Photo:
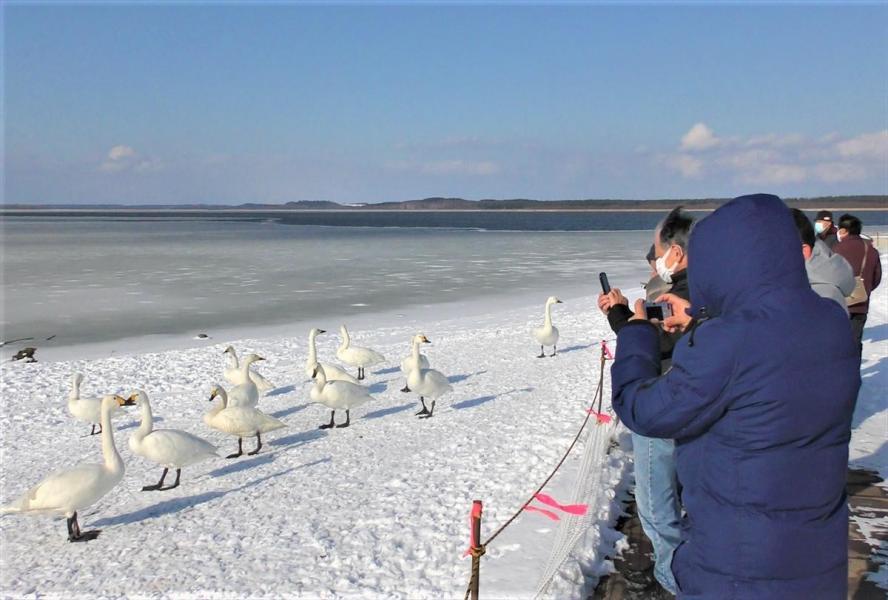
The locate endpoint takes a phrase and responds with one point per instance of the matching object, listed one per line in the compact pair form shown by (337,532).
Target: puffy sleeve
(689,398)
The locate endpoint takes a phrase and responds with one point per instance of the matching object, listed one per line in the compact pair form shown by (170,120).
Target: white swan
(428,383)
(337,395)
(239,421)
(88,410)
(169,448)
(355,355)
(333,372)
(245,393)
(69,490)
(408,363)
(234,374)
(547,335)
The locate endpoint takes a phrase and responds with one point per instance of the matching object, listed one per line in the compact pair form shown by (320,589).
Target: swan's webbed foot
(405,389)
(240,449)
(258,445)
(430,413)
(347,420)
(331,424)
(74,533)
(424,410)
(542,353)
(159,484)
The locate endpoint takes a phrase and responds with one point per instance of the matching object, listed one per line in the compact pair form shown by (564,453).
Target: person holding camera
(759,408)
(656,484)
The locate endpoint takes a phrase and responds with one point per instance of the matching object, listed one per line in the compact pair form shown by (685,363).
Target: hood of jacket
(824,267)
(741,252)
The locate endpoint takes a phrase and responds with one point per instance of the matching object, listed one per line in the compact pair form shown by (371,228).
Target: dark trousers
(857,323)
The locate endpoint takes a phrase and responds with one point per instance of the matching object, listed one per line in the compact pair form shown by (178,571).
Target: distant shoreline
(42,210)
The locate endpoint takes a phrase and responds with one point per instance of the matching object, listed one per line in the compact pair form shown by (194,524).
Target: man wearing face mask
(656,484)
(825,229)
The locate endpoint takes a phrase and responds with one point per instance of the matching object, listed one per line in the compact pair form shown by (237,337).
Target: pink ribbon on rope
(606,350)
(600,417)
(543,511)
(574,509)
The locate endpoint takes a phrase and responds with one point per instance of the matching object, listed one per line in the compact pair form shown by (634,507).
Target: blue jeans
(659,507)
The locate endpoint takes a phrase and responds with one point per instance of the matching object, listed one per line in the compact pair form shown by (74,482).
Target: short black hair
(651,256)
(851,224)
(675,228)
(806,230)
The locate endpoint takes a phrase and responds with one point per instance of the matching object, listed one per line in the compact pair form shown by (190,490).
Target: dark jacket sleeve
(688,399)
(618,316)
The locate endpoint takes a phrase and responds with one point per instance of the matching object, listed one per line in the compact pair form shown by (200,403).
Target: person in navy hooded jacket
(760,409)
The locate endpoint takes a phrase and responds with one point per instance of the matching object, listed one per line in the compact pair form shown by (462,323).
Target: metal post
(477,549)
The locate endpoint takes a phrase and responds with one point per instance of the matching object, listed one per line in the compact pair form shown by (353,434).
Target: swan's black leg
(424,410)
(159,484)
(93,431)
(74,533)
(347,419)
(175,483)
(360,373)
(331,423)
(431,412)
(542,353)
(258,444)
(240,449)
(554,350)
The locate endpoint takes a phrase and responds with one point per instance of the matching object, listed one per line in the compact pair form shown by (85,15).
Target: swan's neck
(245,368)
(75,390)
(548,322)
(312,350)
(113,462)
(232,358)
(416,352)
(321,380)
(147,424)
(346,339)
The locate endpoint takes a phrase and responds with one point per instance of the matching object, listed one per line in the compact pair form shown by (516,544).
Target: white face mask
(663,271)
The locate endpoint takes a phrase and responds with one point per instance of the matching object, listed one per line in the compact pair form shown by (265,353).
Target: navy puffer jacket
(760,408)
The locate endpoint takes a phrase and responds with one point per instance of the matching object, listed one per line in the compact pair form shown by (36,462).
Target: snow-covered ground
(376,510)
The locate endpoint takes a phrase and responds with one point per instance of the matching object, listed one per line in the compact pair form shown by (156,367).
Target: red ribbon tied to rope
(572,509)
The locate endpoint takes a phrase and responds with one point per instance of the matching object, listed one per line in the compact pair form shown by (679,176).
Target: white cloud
(872,145)
(689,166)
(120,152)
(699,137)
(775,159)
(125,158)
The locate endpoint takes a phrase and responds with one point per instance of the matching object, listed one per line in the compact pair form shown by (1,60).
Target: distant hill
(873,202)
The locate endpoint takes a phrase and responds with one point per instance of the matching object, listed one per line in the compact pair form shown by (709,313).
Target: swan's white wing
(334,373)
(262,384)
(76,487)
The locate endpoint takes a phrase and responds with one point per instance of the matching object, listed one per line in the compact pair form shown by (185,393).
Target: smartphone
(657,310)
(605,286)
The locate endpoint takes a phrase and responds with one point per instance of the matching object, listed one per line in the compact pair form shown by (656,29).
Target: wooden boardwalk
(633,579)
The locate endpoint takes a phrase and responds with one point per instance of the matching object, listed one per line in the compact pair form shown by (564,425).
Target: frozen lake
(86,280)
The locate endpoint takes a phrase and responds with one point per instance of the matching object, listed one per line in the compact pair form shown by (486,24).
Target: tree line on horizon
(444,204)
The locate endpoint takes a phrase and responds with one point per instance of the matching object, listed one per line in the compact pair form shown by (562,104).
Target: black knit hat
(824,215)
(652,254)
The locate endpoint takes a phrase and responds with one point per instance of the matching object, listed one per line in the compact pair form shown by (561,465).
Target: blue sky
(183,103)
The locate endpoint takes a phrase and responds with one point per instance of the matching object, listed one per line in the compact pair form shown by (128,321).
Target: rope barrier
(477,550)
